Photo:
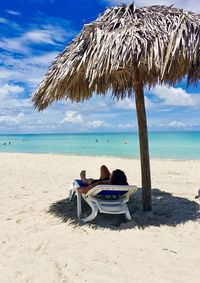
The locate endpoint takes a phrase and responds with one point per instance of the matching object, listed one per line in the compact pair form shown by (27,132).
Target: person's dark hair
(118,177)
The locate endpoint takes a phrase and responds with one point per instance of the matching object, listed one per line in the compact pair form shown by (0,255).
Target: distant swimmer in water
(96,140)
(108,140)
(126,141)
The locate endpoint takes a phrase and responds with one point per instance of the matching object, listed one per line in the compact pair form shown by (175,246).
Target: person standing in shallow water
(117,177)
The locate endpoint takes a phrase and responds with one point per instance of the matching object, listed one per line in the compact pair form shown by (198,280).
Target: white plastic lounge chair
(111,199)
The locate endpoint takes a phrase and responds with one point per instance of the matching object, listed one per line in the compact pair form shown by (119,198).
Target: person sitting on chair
(117,177)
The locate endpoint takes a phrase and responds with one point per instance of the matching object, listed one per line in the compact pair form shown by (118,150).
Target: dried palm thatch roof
(123,46)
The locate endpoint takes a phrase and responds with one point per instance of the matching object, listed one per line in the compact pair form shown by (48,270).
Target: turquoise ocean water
(167,145)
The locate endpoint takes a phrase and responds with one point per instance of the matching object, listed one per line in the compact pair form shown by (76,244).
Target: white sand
(38,246)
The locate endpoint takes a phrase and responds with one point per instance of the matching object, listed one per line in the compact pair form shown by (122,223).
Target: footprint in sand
(21,212)
(61,276)
(38,248)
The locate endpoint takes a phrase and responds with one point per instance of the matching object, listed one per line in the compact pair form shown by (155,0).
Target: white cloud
(3,20)
(31,65)
(30,69)
(10,89)
(14,44)
(17,104)
(176,124)
(13,13)
(52,31)
(96,124)
(12,120)
(7,89)
(47,33)
(149,104)
(10,23)
(190,5)
(126,103)
(11,98)
(72,117)
(126,126)
(39,36)
(117,2)
(39,60)
(51,1)
(175,96)
(6,73)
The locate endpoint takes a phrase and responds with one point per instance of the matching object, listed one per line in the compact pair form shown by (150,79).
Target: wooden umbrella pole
(144,147)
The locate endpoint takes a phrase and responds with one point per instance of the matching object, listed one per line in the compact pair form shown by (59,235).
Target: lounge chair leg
(71,195)
(79,206)
(127,213)
(93,214)
(72,192)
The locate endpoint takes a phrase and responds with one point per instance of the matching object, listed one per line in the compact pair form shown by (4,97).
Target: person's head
(118,177)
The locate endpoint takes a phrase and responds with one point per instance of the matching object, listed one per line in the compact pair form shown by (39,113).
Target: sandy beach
(41,240)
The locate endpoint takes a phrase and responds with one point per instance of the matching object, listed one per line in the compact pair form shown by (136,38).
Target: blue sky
(33,32)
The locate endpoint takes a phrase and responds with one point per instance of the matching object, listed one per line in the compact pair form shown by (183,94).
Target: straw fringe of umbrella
(156,44)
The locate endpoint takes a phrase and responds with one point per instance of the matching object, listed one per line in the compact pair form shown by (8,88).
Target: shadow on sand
(167,210)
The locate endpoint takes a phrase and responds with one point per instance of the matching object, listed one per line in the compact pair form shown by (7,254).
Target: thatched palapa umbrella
(123,50)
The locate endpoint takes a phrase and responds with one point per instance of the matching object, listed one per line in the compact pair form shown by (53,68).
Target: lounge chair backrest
(112,190)
(109,190)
